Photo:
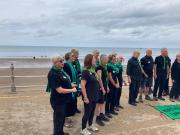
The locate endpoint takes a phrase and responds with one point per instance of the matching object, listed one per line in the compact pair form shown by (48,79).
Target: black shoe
(171,99)
(78,111)
(155,98)
(148,98)
(108,115)
(104,118)
(133,104)
(116,109)
(161,98)
(99,121)
(66,134)
(113,113)
(121,107)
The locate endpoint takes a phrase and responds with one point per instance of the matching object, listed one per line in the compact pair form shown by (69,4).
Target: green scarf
(78,66)
(57,70)
(92,70)
(73,71)
(114,67)
(119,65)
(105,67)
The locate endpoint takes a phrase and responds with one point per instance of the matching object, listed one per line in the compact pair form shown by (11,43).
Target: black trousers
(175,91)
(89,110)
(133,90)
(59,118)
(111,100)
(119,92)
(166,86)
(159,84)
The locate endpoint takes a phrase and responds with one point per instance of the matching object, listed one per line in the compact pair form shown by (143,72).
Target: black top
(162,65)
(57,80)
(104,75)
(147,63)
(134,69)
(175,71)
(114,76)
(67,69)
(92,85)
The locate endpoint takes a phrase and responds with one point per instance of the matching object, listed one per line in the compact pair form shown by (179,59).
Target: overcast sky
(119,23)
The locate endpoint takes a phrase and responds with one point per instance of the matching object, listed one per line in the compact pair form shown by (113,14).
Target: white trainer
(85,132)
(93,128)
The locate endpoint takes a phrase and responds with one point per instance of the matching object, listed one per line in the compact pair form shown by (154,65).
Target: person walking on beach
(134,72)
(103,81)
(90,87)
(147,63)
(175,74)
(161,73)
(113,86)
(119,65)
(59,83)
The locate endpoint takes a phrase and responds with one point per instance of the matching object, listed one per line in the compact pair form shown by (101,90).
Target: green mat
(172,111)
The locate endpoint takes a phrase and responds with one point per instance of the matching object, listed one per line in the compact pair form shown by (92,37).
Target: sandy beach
(28,112)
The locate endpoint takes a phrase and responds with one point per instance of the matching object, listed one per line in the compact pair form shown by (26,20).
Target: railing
(13,86)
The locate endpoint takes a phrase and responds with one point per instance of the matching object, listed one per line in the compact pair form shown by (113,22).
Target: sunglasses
(61,61)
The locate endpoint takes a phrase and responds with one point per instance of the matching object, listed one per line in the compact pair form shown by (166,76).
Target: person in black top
(113,86)
(72,72)
(175,74)
(161,73)
(147,63)
(90,87)
(166,87)
(120,59)
(134,72)
(101,70)
(61,89)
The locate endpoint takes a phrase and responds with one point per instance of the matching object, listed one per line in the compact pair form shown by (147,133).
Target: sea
(24,52)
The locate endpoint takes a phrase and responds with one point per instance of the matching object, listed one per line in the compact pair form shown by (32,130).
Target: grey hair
(55,58)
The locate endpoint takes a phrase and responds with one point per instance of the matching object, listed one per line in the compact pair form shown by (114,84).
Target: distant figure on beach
(34,58)
(175,74)
(147,63)
(161,74)
(61,89)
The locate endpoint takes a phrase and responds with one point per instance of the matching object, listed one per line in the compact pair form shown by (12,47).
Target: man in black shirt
(161,73)
(61,89)
(134,72)
(147,63)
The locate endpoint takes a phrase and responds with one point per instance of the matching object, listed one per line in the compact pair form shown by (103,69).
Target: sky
(98,23)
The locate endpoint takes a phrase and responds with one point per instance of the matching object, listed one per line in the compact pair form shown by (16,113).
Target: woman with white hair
(59,84)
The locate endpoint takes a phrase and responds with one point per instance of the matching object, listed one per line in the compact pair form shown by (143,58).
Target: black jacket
(175,71)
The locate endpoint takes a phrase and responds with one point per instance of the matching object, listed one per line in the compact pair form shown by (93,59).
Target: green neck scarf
(92,70)
(57,70)
(164,64)
(119,65)
(78,66)
(114,67)
(139,64)
(73,71)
